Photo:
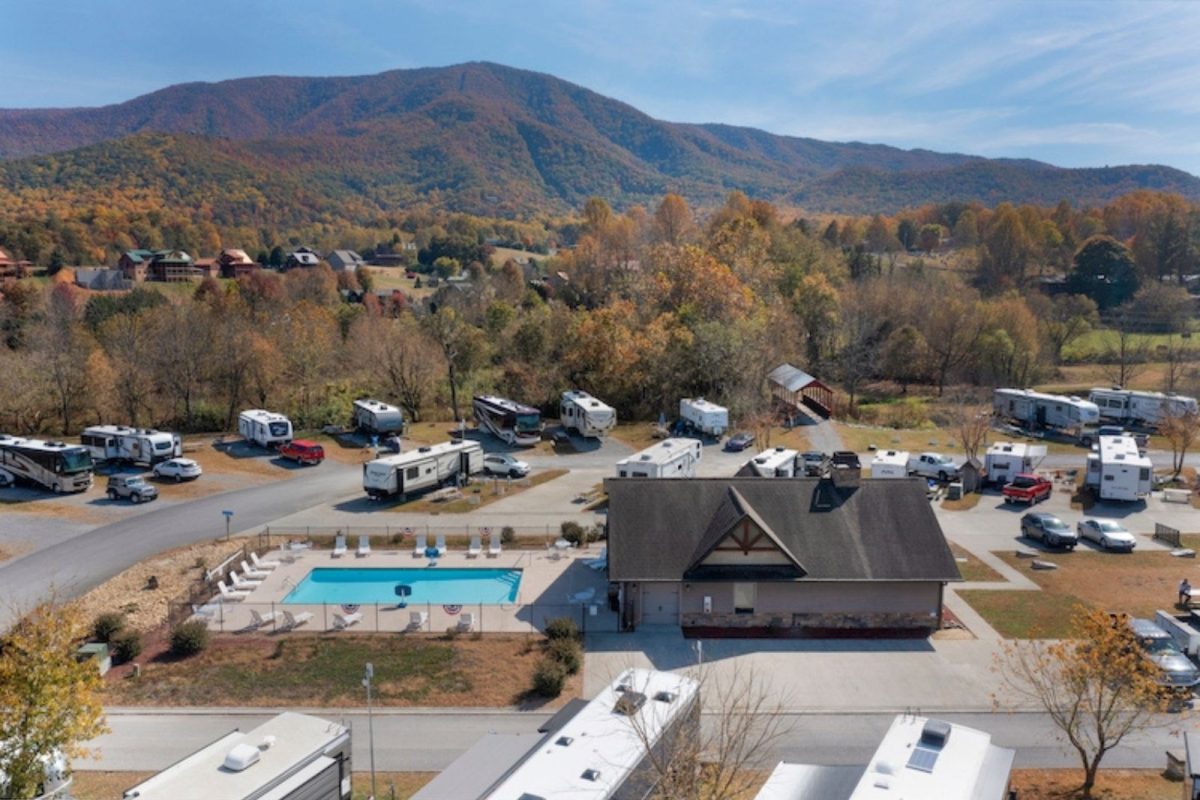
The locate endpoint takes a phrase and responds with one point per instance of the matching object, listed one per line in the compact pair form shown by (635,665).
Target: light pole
(370,673)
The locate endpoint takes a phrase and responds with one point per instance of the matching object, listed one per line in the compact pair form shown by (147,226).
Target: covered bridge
(796,388)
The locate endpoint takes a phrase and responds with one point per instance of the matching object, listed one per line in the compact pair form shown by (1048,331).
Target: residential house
(13,268)
(133,264)
(302,257)
(172,266)
(207,267)
(235,263)
(790,556)
(345,260)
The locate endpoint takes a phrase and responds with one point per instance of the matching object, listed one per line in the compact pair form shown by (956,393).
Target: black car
(739,442)
(1049,530)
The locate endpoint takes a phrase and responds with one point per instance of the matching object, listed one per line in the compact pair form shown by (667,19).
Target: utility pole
(370,673)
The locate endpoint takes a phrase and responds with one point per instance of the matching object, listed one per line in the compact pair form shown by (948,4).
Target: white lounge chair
(343,621)
(339,546)
(417,620)
(441,544)
(475,547)
(261,563)
(231,595)
(466,622)
(422,543)
(364,546)
(600,562)
(494,545)
(258,620)
(253,574)
(245,584)
(292,621)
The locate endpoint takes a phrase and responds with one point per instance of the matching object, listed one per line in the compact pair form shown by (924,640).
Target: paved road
(427,741)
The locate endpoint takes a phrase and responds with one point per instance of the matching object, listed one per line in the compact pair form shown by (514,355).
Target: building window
(743,598)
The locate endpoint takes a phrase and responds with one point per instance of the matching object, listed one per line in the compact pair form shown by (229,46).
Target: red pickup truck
(1027,488)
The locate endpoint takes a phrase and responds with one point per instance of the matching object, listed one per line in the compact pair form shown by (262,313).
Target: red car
(303,451)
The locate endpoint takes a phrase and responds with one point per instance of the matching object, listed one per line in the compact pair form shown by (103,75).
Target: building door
(660,604)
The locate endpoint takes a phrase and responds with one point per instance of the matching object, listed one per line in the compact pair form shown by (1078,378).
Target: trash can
(954,491)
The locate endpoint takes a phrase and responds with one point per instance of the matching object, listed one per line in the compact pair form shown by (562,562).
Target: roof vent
(591,775)
(629,703)
(885,767)
(424,449)
(665,697)
(564,741)
(935,734)
(241,757)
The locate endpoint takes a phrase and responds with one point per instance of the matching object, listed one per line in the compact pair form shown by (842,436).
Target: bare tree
(1127,358)
(1181,429)
(972,423)
(397,358)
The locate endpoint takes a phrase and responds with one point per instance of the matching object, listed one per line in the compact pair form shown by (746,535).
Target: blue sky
(1073,82)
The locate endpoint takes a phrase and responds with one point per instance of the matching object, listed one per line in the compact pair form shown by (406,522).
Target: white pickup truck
(933,465)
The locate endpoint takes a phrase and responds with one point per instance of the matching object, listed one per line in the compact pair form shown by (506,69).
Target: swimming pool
(445,585)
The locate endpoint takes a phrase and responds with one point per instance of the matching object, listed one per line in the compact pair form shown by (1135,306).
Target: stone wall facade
(862,620)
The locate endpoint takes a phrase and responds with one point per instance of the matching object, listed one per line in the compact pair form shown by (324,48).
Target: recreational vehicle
(778,462)
(584,414)
(508,421)
(890,464)
(135,445)
(264,428)
(1070,415)
(670,458)
(1140,408)
(1117,471)
(1006,459)
(436,465)
(374,417)
(703,417)
(56,466)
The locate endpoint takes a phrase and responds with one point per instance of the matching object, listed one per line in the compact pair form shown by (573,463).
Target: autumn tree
(1097,686)
(181,358)
(307,338)
(673,223)
(398,359)
(461,345)
(1007,251)
(952,327)
(1181,429)
(1104,271)
(1063,319)
(903,357)
(49,700)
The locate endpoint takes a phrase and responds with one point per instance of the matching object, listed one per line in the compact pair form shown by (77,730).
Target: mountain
(495,140)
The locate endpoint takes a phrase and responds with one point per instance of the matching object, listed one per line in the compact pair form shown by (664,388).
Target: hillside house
(788,556)
(133,263)
(235,263)
(160,265)
(302,257)
(345,260)
(13,268)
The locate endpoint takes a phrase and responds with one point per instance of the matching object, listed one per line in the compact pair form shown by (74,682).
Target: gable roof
(791,378)
(880,530)
(732,511)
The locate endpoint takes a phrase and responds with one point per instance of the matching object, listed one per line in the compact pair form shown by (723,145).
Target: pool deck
(550,578)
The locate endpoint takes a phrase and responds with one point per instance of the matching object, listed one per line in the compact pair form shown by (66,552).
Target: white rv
(508,421)
(584,414)
(264,428)
(436,465)
(778,462)
(135,445)
(708,419)
(1117,471)
(1145,408)
(372,416)
(890,464)
(670,458)
(1071,415)
(1006,459)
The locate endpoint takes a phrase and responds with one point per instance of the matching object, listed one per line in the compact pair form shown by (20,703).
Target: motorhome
(703,417)
(890,464)
(1117,471)
(584,414)
(1140,408)
(670,458)
(264,428)
(436,465)
(135,445)
(1073,416)
(376,418)
(56,466)
(1006,459)
(509,421)
(778,462)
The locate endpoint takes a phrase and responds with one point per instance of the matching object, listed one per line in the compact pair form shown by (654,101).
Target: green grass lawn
(972,569)
(1023,615)
(486,489)
(1104,340)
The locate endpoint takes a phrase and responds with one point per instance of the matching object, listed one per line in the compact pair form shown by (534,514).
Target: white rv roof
(299,739)
(586,400)
(891,457)
(1054,398)
(1018,449)
(423,453)
(600,739)
(704,405)
(774,457)
(377,406)
(123,430)
(263,415)
(662,453)
(1122,450)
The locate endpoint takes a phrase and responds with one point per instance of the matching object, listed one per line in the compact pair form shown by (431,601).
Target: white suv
(504,464)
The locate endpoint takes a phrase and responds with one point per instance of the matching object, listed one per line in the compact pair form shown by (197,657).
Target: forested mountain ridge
(493,140)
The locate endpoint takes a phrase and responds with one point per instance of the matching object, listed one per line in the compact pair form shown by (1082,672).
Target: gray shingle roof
(791,378)
(882,530)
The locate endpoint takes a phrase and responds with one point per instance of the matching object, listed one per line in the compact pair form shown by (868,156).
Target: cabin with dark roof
(787,556)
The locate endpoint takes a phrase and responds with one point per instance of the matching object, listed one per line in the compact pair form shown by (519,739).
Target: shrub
(562,628)
(127,646)
(549,677)
(575,533)
(108,625)
(568,653)
(508,535)
(189,638)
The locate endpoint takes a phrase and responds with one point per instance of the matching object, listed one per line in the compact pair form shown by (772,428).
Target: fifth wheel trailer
(1117,471)
(425,467)
(1070,415)
(584,414)
(135,445)
(1006,459)
(1145,408)
(670,458)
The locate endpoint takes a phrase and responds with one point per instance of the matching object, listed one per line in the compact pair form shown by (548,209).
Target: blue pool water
(445,585)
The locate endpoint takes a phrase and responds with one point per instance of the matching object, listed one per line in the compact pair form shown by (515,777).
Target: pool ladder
(289,582)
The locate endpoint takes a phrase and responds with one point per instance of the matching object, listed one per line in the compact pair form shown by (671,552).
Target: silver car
(1108,534)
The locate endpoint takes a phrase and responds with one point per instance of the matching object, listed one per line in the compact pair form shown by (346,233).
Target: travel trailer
(584,414)
(56,466)
(670,458)
(437,465)
(1073,416)
(1006,459)
(510,422)
(890,464)
(778,462)
(703,417)
(135,445)
(1117,471)
(1140,408)
(264,428)
(377,418)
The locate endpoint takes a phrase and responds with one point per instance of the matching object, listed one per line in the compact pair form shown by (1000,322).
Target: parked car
(1027,488)
(1048,529)
(131,487)
(739,442)
(1178,672)
(178,469)
(933,465)
(303,451)
(505,464)
(1108,534)
(814,462)
(561,438)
